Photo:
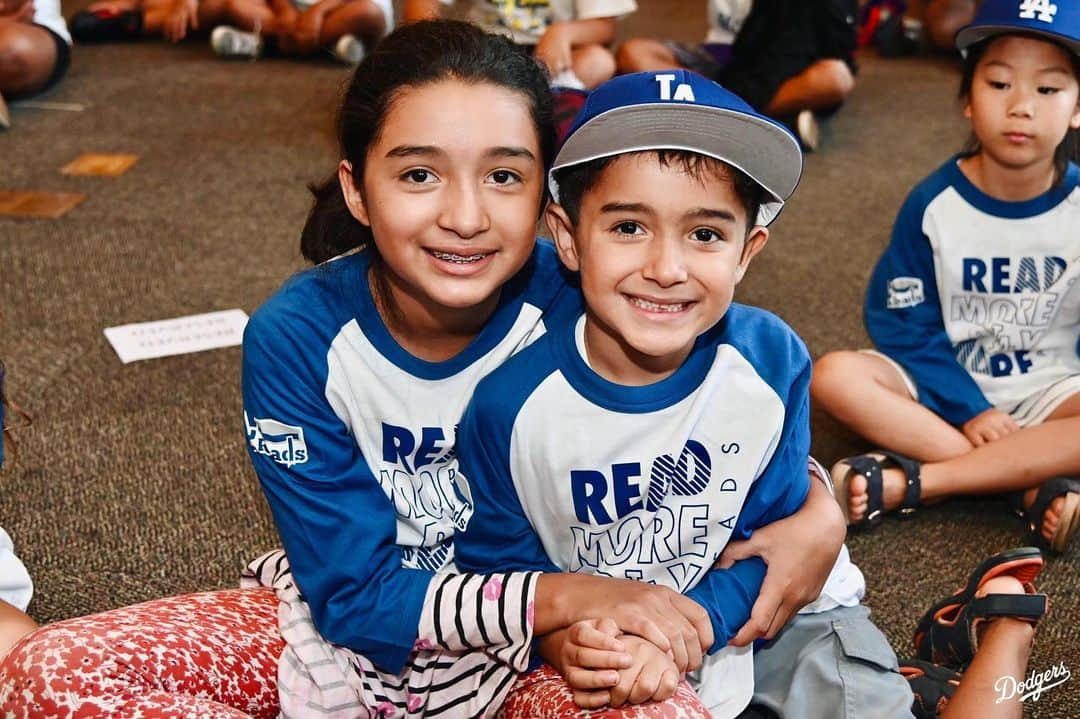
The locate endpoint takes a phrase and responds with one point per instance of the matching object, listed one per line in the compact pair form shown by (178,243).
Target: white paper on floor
(163,338)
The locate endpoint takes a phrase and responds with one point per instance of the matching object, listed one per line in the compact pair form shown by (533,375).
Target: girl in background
(975,387)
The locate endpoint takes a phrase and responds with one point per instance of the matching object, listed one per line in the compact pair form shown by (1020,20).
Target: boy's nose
(666,263)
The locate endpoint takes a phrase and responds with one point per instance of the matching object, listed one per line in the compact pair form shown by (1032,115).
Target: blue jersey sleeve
(499,536)
(337,525)
(902,314)
(728,595)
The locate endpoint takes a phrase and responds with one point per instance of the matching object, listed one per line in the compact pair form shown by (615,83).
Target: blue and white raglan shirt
(352,439)
(976,298)
(569,472)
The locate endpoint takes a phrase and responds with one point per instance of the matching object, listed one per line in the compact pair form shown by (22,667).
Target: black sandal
(933,686)
(947,634)
(870,466)
(1034,515)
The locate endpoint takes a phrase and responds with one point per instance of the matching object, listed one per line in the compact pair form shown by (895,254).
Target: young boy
(788,58)
(639,439)
(636,441)
(571,37)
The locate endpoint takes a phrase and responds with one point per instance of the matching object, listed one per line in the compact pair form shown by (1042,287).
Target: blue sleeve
(728,595)
(911,330)
(337,525)
(499,537)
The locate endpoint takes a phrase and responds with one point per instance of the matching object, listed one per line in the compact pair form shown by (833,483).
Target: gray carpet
(133,482)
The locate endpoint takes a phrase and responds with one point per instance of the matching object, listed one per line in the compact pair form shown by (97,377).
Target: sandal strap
(1029,607)
(870,468)
(1050,490)
(912,470)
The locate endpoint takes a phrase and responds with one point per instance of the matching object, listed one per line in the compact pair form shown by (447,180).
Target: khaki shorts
(1031,411)
(831,665)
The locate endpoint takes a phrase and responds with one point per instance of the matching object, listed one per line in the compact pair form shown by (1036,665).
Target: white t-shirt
(15,585)
(527,22)
(726,18)
(47,14)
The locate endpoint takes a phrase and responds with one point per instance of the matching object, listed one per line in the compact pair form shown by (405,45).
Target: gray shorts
(832,665)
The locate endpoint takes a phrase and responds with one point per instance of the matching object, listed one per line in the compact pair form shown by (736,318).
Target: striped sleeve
(474,611)
(474,640)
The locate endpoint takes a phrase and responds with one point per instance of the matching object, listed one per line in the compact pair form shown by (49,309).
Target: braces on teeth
(460,259)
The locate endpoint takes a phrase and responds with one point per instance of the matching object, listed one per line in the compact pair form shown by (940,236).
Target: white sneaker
(230,42)
(5,117)
(809,132)
(349,50)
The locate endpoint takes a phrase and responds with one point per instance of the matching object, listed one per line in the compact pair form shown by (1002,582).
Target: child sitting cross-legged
(637,439)
(974,306)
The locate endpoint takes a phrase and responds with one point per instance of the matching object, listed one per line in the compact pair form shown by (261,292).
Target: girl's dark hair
(412,56)
(1069,148)
(576,180)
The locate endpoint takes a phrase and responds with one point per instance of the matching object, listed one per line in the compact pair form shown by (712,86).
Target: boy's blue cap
(681,110)
(1057,20)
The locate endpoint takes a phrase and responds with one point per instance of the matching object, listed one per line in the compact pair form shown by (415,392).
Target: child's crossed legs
(992,454)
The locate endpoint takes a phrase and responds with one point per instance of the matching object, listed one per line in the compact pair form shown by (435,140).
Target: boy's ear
(354,199)
(562,231)
(755,243)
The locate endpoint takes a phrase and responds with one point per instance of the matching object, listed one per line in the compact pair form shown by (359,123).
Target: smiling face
(451,201)
(1023,100)
(660,249)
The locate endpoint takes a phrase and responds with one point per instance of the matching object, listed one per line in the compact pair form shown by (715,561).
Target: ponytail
(331,229)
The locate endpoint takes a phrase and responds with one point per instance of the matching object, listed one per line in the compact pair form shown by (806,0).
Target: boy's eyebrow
(624,207)
(705,213)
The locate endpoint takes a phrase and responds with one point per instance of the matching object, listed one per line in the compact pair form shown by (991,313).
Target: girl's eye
(1049,90)
(707,236)
(998,85)
(419,176)
(504,177)
(628,228)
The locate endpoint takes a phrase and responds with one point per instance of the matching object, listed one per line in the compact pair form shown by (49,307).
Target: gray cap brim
(765,152)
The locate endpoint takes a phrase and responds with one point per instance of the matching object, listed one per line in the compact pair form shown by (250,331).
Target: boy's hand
(588,654)
(653,676)
(555,50)
(664,617)
(800,552)
(989,425)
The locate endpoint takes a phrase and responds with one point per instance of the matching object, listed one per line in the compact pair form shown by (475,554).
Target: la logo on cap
(1038,9)
(683,91)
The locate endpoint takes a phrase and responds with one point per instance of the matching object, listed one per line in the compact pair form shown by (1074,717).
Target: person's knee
(594,64)
(24,63)
(835,79)
(633,54)
(833,373)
